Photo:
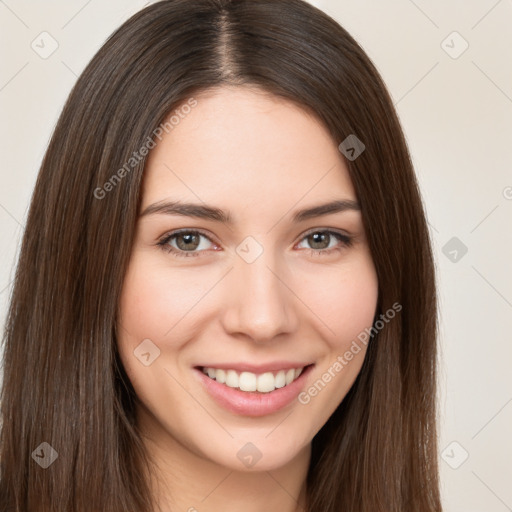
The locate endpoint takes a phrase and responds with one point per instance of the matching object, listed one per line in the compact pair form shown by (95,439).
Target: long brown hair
(63,381)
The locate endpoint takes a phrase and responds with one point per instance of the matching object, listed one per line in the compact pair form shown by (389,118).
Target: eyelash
(164,242)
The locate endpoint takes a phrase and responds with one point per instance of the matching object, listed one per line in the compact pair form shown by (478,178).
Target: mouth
(254,393)
(249,382)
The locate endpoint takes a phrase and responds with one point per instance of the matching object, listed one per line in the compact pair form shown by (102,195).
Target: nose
(259,304)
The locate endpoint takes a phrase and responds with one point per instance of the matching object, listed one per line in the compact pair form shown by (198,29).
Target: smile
(248,381)
(254,391)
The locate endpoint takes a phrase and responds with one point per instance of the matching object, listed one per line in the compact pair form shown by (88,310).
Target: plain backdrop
(447,66)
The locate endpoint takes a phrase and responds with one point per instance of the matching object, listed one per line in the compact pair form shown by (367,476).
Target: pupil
(315,240)
(190,241)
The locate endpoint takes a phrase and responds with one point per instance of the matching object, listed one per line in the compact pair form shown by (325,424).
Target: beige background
(456,109)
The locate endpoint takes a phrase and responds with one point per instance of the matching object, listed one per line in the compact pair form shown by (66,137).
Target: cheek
(148,309)
(347,307)
(344,300)
(152,303)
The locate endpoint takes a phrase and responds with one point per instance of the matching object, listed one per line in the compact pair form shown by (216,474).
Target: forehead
(244,147)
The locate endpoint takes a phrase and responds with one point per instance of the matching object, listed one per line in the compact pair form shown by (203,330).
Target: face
(236,314)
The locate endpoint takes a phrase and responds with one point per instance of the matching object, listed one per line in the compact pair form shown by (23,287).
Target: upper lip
(256,368)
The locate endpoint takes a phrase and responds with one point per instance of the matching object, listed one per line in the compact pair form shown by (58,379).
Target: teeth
(248,381)
(231,378)
(280,379)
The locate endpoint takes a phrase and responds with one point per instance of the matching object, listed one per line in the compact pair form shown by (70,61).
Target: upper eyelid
(336,231)
(171,234)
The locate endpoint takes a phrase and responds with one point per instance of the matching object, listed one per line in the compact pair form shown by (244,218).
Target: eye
(321,240)
(184,242)
(187,243)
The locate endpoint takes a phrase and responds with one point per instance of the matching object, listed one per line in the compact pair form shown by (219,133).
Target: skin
(261,158)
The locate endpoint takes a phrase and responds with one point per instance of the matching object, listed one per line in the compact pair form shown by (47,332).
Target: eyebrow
(207,212)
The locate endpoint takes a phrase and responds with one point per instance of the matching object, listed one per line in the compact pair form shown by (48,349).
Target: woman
(289,362)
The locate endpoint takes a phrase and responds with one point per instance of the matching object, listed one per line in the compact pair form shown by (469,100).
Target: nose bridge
(260,305)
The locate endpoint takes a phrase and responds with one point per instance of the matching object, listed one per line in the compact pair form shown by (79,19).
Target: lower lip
(253,403)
